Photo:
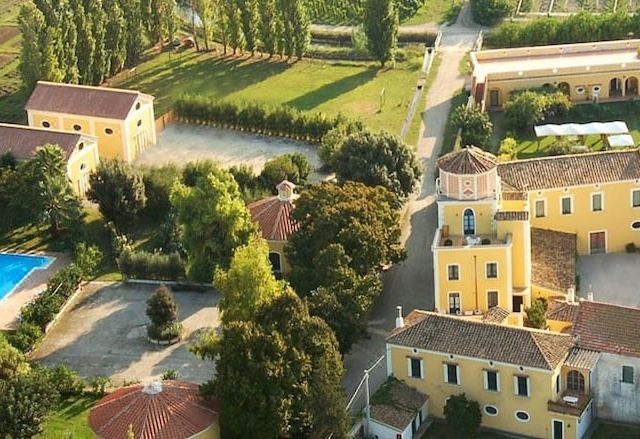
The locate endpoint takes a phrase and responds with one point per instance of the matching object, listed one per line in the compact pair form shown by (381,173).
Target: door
(517,303)
(597,242)
(558,429)
(494,98)
(469,222)
(454,303)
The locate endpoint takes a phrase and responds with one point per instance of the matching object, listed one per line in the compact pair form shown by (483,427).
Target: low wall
(164,120)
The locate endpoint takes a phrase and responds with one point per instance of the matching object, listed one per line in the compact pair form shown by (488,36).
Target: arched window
(469,222)
(575,381)
(274,258)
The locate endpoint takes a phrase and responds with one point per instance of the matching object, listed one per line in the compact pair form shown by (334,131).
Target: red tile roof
(553,259)
(467,161)
(608,328)
(21,141)
(110,103)
(273,217)
(176,412)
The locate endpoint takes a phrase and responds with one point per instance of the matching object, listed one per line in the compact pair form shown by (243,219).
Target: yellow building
(80,151)
(509,232)
(604,70)
(122,120)
(527,382)
(273,217)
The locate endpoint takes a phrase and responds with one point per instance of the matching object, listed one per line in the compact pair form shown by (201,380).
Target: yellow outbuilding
(122,120)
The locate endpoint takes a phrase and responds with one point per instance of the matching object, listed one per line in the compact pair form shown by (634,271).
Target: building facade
(508,233)
(586,72)
(122,121)
(80,151)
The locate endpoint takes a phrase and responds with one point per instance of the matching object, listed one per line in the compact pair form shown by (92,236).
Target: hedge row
(274,121)
(152,266)
(35,316)
(345,37)
(583,27)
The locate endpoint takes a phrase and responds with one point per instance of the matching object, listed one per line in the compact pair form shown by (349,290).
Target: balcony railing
(458,241)
(570,403)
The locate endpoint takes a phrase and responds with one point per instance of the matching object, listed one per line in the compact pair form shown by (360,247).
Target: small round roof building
(468,174)
(159,410)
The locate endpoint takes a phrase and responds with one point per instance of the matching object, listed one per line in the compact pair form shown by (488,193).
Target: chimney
(285,190)
(399,318)
(152,388)
(571,295)
(590,294)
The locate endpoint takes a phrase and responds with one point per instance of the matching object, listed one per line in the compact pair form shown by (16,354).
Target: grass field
(353,88)
(11,100)
(436,11)
(70,420)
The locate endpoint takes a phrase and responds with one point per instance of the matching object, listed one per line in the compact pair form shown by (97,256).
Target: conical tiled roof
(273,214)
(468,161)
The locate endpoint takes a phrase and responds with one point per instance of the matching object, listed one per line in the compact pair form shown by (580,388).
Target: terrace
(444,239)
(570,403)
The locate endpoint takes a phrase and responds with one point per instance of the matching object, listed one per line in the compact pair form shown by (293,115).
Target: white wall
(615,400)
(585,421)
(382,431)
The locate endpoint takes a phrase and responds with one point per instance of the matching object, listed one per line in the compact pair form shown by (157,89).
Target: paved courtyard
(182,143)
(613,278)
(105,334)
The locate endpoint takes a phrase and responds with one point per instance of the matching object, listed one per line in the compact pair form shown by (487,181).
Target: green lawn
(353,88)
(608,431)
(529,147)
(436,11)
(70,420)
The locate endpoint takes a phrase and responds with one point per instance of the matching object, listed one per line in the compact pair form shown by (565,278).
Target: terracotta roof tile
(467,161)
(553,259)
(110,103)
(608,328)
(582,358)
(561,311)
(472,338)
(571,170)
(512,216)
(273,217)
(401,405)
(21,141)
(513,195)
(176,412)
(496,314)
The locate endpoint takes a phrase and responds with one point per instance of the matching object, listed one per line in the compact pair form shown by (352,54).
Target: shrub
(157,186)
(560,147)
(529,107)
(87,258)
(156,266)
(489,12)
(535,314)
(99,385)
(162,310)
(168,332)
(293,167)
(169,375)
(25,336)
(508,149)
(463,415)
(474,124)
(66,381)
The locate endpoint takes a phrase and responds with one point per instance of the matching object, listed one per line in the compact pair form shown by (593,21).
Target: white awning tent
(620,141)
(582,129)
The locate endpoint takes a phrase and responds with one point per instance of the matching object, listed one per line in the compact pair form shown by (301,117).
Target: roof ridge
(90,87)
(558,157)
(613,305)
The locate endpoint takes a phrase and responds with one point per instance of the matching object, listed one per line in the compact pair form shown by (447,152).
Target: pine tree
(32,25)
(381,28)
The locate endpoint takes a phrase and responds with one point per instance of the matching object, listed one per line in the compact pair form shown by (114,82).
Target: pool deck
(25,292)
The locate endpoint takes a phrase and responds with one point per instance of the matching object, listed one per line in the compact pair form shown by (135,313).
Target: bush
(87,258)
(489,12)
(155,266)
(474,124)
(560,147)
(293,167)
(169,375)
(119,242)
(66,381)
(463,415)
(278,121)
(99,385)
(162,310)
(508,149)
(165,333)
(529,107)
(25,336)
(157,186)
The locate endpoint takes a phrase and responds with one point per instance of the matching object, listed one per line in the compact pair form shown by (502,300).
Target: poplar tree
(234,19)
(249,18)
(94,11)
(269,26)
(381,28)
(115,38)
(32,25)
(205,11)
(86,42)
(134,44)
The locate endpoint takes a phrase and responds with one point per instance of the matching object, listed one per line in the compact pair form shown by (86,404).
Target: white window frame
(572,210)
(631,201)
(453,265)
(601,201)
(409,368)
(486,266)
(553,431)
(485,376)
(544,208)
(449,294)
(484,410)
(515,415)
(446,374)
(497,293)
(515,386)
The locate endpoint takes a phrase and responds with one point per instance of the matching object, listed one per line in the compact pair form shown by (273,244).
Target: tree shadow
(332,90)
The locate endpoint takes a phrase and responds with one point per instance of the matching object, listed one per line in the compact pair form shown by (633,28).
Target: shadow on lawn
(332,90)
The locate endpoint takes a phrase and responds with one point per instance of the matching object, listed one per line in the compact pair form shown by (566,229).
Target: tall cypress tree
(381,27)
(269,26)
(115,37)
(32,25)
(234,20)
(249,15)
(86,44)
(132,10)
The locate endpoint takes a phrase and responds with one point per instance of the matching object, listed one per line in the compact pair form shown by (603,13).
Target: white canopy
(620,140)
(582,129)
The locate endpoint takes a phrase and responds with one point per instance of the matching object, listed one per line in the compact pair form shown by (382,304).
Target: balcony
(570,403)
(461,241)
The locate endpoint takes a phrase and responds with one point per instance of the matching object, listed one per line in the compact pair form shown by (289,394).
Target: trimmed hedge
(151,266)
(280,121)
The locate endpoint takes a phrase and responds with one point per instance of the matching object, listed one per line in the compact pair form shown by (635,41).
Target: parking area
(613,278)
(104,333)
(182,143)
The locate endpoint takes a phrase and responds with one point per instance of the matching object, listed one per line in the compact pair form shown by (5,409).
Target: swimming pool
(15,268)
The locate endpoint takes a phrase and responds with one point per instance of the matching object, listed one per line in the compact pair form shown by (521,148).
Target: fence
(371,381)
(164,120)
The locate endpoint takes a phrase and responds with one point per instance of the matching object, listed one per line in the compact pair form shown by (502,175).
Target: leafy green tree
(279,374)
(86,42)
(508,149)
(12,361)
(134,31)
(214,221)
(463,415)
(32,26)
(295,34)
(95,12)
(248,283)
(292,167)
(25,402)
(378,160)
(206,13)
(269,26)
(474,124)
(361,219)
(87,257)
(524,110)
(249,17)
(119,192)
(381,28)
(489,12)
(535,315)
(234,22)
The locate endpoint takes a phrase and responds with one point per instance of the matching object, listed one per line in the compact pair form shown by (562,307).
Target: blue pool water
(15,268)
